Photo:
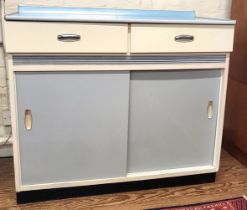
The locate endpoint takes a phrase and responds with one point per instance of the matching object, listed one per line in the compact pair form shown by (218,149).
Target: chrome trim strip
(77,60)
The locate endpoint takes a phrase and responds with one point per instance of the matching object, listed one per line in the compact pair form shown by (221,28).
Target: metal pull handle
(28,119)
(184,38)
(69,37)
(210,110)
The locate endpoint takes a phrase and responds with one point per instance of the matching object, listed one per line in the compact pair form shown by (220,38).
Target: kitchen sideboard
(102,96)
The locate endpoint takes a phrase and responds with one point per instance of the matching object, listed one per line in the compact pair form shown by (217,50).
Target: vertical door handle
(28,119)
(210,109)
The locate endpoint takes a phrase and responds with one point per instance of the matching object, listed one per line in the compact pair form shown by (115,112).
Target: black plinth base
(60,193)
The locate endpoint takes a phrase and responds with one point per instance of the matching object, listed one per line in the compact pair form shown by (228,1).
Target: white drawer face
(159,38)
(45,37)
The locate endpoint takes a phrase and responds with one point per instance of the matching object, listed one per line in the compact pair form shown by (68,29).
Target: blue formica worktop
(70,14)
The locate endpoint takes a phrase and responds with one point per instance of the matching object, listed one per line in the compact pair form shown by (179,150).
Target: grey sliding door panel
(169,126)
(79,125)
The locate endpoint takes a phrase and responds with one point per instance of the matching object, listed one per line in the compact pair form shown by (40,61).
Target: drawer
(147,38)
(45,37)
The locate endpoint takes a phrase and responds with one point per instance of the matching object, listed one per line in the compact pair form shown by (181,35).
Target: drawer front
(146,38)
(44,37)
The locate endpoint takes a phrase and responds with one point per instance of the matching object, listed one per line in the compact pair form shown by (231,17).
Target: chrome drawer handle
(184,38)
(69,37)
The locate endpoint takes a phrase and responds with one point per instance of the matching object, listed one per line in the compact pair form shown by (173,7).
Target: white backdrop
(203,8)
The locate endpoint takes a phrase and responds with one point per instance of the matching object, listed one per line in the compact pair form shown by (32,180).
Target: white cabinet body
(130,112)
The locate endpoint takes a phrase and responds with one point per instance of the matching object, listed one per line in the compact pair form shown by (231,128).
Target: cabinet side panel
(169,126)
(79,125)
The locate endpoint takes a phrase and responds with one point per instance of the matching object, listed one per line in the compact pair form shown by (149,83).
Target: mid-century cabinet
(97,103)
